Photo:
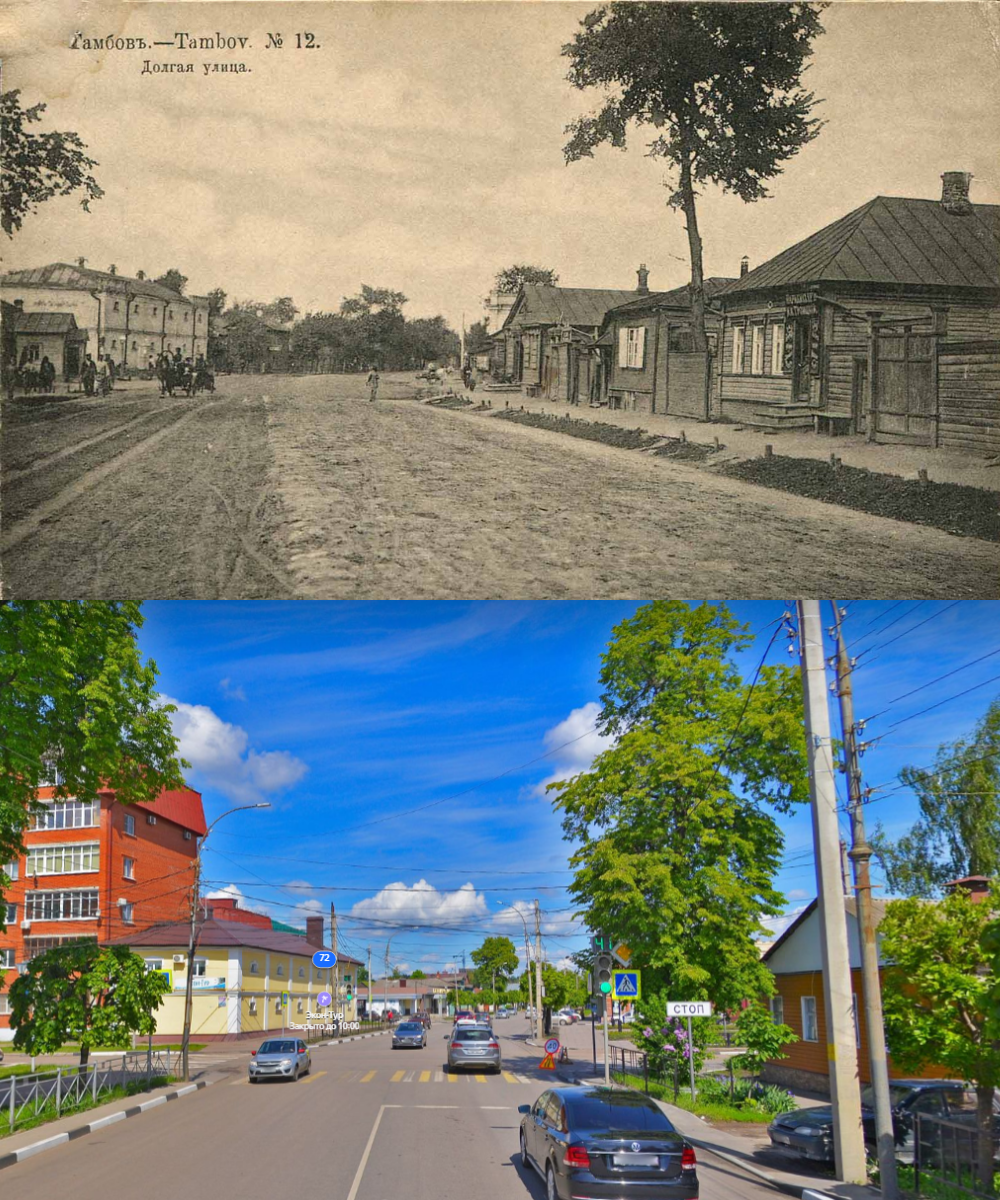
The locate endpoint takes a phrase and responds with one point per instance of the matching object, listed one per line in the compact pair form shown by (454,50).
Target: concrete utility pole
(369,983)
(860,854)
(538,973)
(845,1094)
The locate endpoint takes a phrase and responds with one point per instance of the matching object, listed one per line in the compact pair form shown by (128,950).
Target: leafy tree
(370,300)
(172,279)
(496,956)
(476,338)
(676,843)
(764,1040)
(80,992)
(282,311)
(958,832)
(938,996)
(418,974)
(511,279)
(216,302)
(38,166)
(362,976)
(76,695)
(719,85)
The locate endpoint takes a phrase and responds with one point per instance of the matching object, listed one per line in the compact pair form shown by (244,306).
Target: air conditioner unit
(187,835)
(180,958)
(150,819)
(122,902)
(25,926)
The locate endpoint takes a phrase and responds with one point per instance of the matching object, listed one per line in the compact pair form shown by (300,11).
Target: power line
(947,675)
(882,645)
(322,862)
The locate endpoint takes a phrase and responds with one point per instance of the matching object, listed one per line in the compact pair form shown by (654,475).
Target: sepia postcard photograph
(349,300)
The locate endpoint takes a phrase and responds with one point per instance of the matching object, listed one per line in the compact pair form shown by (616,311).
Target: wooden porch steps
(782,416)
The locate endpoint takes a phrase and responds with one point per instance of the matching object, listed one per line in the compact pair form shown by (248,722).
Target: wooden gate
(904,399)
(687,385)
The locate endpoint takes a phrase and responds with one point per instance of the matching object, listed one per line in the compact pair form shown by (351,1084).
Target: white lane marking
(439,1076)
(497,1107)
(351,1195)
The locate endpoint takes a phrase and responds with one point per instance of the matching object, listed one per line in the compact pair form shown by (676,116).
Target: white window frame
(778,1010)
(739,342)
(778,348)
(254,967)
(154,964)
(809,1007)
(280,970)
(128,867)
(632,347)
(63,858)
(758,341)
(11,913)
(129,825)
(6,957)
(200,967)
(277,1007)
(85,900)
(252,1007)
(4,1004)
(10,870)
(127,911)
(67,814)
(150,818)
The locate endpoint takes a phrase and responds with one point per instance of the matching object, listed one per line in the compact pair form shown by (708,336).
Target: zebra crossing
(429,1075)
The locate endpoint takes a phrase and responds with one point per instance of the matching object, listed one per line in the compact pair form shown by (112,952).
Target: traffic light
(350,990)
(602,971)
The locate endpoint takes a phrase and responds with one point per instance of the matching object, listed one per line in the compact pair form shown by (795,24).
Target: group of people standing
(32,377)
(98,376)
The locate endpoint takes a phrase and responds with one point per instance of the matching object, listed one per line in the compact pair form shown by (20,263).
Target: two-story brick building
(129,318)
(97,869)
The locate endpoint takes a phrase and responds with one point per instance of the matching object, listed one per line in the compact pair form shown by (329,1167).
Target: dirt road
(282,486)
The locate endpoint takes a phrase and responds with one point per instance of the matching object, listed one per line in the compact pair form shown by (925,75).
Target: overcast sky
(420,147)
(405,748)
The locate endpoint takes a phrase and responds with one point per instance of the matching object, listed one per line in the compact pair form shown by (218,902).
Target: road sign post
(626,985)
(691,1059)
(689,1009)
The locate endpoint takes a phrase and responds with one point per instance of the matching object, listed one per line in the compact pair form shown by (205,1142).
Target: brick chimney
(744,266)
(955,193)
(140,274)
(643,273)
(19,305)
(314,931)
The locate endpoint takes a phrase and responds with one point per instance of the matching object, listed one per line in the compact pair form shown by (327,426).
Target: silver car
(409,1033)
(473,1046)
(280,1058)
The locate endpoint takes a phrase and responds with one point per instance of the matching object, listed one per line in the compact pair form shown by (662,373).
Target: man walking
(373,384)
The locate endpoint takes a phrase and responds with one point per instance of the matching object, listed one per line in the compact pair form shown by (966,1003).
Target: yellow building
(247,980)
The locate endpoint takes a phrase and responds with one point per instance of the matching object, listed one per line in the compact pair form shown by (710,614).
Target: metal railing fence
(625,1062)
(62,1089)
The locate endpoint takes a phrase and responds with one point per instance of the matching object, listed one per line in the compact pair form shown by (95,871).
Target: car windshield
(410,1027)
(474,1035)
(897,1095)
(277,1048)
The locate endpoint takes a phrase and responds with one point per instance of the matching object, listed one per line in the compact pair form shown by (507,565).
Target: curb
(356,1037)
(59,1139)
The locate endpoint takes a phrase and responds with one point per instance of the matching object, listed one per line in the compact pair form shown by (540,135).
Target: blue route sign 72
(324,958)
(626,985)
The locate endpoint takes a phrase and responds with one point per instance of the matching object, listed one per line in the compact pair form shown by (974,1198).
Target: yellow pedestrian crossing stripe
(313,1076)
(425,1076)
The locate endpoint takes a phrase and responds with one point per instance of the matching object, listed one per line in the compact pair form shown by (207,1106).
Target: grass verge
(714,1111)
(47,1113)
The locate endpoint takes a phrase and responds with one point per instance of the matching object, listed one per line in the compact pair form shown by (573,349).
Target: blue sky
(404,749)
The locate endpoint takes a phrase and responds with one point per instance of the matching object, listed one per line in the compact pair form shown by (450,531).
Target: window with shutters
(778,349)
(631,347)
(739,337)
(757,349)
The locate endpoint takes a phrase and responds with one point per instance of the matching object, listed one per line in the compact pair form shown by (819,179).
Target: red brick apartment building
(99,870)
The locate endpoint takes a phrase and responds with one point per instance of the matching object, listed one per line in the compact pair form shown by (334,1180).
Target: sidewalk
(942,466)
(738,1151)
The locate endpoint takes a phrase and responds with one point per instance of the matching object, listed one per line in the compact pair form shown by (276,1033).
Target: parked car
(424,1019)
(566,1016)
(409,1033)
(280,1058)
(473,1046)
(503,1013)
(808,1132)
(599,1142)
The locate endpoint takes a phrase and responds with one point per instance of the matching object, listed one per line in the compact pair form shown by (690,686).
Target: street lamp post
(385,978)
(527,958)
(195,905)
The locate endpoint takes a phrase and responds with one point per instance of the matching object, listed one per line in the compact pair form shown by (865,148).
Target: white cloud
(422,904)
(578,743)
(798,894)
(778,925)
(222,755)
(566,964)
(232,892)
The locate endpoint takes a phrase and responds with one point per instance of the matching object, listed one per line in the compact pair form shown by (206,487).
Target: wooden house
(885,323)
(548,332)
(649,361)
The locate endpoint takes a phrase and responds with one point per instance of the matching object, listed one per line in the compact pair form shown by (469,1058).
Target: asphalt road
(281,486)
(369,1123)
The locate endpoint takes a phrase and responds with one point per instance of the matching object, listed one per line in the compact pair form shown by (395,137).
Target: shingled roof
(38,323)
(891,240)
(544,304)
(679,297)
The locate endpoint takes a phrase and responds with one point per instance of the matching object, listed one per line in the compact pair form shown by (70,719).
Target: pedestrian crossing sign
(626,985)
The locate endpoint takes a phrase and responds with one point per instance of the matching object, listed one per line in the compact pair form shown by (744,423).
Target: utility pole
(860,854)
(369,983)
(841,1051)
(538,973)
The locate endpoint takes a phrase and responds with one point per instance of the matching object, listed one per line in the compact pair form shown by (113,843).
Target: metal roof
(544,304)
(66,275)
(45,322)
(227,933)
(183,807)
(679,297)
(892,240)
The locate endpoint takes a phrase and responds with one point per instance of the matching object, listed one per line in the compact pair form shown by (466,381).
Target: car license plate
(780,1137)
(636,1160)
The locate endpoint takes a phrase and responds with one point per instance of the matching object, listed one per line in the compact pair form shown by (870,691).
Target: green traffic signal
(605,986)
